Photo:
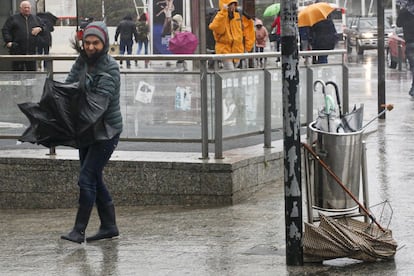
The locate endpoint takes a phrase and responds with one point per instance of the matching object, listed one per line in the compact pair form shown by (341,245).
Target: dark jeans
(126,45)
(93,159)
(142,43)
(24,65)
(43,50)
(320,59)
(259,50)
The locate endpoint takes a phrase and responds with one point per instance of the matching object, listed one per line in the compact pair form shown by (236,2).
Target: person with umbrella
(98,73)
(405,20)
(276,25)
(322,33)
(233,31)
(44,41)
(177,27)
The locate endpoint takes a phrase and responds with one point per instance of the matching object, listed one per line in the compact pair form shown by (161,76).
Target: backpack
(210,41)
(142,29)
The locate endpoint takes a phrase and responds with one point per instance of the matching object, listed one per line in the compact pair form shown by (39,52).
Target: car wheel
(359,50)
(391,63)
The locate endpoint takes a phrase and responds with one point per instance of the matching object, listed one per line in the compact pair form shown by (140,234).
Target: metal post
(52,150)
(291,133)
(365,196)
(267,109)
(218,118)
(381,58)
(77,16)
(345,86)
(204,109)
(309,165)
(309,99)
(202,25)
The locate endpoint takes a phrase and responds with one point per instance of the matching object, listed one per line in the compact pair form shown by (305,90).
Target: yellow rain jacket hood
(227,2)
(233,36)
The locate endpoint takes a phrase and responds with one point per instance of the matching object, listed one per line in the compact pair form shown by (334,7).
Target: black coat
(405,20)
(18,29)
(126,29)
(324,35)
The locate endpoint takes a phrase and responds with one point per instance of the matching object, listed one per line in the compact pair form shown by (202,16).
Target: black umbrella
(66,115)
(48,16)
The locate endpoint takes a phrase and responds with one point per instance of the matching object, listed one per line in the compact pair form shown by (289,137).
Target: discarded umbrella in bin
(336,178)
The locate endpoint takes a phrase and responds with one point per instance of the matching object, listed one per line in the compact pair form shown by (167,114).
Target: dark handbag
(273,37)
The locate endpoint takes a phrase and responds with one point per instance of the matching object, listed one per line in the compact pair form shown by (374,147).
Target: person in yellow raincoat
(234,33)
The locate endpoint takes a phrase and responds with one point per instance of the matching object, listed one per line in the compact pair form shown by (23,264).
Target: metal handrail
(203,70)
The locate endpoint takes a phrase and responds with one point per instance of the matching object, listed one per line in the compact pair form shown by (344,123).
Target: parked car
(396,48)
(362,33)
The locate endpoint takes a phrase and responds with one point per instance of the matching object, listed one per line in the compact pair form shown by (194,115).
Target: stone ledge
(34,179)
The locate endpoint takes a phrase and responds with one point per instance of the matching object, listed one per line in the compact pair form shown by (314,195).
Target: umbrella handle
(323,84)
(338,98)
(387,107)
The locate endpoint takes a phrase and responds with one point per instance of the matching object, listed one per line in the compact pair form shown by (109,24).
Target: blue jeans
(93,159)
(125,45)
(140,44)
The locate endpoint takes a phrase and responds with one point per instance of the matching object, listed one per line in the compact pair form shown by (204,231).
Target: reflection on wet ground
(244,239)
(390,158)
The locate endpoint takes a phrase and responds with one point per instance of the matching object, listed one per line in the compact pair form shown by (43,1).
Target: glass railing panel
(15,89)
(161,106)
(242,101)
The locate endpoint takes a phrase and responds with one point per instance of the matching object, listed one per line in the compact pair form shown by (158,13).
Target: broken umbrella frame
(344,236)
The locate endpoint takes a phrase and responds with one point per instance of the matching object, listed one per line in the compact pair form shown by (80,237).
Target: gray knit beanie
(96,28)
(99,29)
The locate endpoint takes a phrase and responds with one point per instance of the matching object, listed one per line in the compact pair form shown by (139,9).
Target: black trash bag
(67,115)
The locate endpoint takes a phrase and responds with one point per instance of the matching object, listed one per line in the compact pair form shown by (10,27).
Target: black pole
(381,58)
(291,133)
(77,16)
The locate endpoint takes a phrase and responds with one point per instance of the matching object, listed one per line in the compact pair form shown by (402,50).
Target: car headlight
(367,35)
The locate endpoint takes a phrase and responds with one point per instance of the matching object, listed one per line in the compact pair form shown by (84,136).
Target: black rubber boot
(108,228)
(78,232)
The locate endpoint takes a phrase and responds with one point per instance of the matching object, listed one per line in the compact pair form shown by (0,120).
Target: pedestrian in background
(277,29)
(405,20)
(127,30)
(44,40)
(233,31)
(304,35)
(143,32)
(261,39)
(177,26)
(97,72)
(323,37)
(20,33)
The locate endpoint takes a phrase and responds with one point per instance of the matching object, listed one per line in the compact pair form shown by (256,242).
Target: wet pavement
(244,239)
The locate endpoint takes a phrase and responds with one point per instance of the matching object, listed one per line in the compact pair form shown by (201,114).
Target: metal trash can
(342,153)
